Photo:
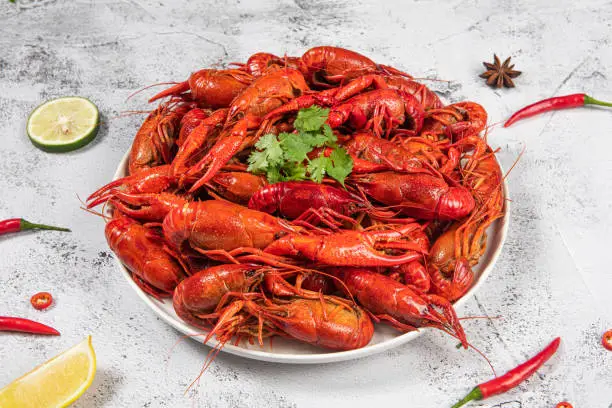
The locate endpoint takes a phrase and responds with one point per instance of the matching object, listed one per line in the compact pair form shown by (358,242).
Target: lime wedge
(63,124)
(57,383)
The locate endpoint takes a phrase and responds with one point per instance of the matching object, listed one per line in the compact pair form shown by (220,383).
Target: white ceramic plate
(288,351)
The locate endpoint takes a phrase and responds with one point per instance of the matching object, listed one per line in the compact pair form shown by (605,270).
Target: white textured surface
(553,278)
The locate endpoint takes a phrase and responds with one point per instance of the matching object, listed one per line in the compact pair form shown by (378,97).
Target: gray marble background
(553,277)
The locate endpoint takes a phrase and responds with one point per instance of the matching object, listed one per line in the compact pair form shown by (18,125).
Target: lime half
(63,124)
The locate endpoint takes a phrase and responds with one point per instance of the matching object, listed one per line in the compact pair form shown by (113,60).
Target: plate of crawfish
(308,266)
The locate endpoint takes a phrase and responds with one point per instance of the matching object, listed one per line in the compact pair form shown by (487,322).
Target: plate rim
(316,358)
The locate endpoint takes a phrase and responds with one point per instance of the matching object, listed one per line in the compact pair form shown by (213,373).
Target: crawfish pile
(316,262)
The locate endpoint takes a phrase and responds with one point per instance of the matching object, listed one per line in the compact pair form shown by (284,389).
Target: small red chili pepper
(19,224)
(558,102)
(606,340)
(564,405)
(512,378)
(17,324)
(41,300)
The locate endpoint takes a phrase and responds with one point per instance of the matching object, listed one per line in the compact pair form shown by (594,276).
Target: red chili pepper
(17,324)
(41,300)
(606,340)
(558,102)
(19,224)
(512,378)
(564,405)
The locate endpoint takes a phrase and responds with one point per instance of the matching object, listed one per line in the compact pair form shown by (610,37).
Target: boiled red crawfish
(315,262)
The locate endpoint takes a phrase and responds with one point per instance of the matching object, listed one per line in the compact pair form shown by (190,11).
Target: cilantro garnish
(285,157)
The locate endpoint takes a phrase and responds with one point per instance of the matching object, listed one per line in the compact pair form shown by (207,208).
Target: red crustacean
(265,94)
(217,227)
(371,153)
(352,248)
(383,111)
(418,195)
(456,121)
(396,303)
(326,66)
(210,88)
(156,137)
(142,251)
(463,243)
(198,295)
(328,322)
(260,63)
(312,203)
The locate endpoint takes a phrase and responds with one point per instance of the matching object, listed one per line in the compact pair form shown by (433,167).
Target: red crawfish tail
(237,186)
(199,140)
(189,122)
(426,97)
(327,322)
(398,304)
(153,180)
(326,67)
(217,227)
(455,285)
(200,294)
(210,88)
(154,268)
(150,207)
(418,195)
(415,276)
(352,248)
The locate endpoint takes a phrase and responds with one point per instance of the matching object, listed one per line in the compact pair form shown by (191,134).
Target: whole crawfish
(198,295)
(210,88)
(396,303)
(354,248)
(325,67)
(418,195)
(328,322)
(312,203)
(464,242)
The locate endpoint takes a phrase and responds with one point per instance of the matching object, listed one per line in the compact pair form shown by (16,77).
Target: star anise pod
(499,74)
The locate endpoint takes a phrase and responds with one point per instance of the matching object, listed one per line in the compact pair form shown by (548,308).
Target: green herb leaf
(285,157)
(310,119)
(295,148)
(341,165)
(317,168)
(270,154)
